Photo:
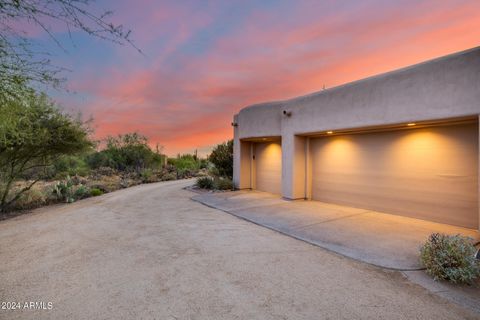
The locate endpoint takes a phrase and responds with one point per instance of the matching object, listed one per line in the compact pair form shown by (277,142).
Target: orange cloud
(185,97)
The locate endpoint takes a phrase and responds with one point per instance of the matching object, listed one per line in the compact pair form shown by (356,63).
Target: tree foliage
(127,152)
(222,158)
(185,162)
(20,61)
(33,134)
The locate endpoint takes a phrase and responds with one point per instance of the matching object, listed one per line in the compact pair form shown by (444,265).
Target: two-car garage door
(428,173)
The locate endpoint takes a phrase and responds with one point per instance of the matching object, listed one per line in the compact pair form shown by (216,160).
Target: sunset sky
(205,60)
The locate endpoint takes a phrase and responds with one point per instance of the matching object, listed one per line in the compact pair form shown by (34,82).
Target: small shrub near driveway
(205,183)
(216,183)
(169,176)
(81,192)
(96,192)
(450,258)
(223,184)
(147,176)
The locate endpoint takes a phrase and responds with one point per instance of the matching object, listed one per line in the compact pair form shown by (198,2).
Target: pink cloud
(189,104)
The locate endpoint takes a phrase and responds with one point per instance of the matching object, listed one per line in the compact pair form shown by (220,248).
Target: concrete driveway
(385,240)
(149,252)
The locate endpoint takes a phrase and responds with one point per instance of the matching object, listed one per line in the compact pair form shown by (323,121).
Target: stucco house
(404,142)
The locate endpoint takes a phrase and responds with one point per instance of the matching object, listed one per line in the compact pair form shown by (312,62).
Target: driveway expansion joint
(331,220)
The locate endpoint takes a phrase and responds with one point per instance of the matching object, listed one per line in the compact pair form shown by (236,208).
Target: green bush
(205,183)
(185,162)
(81,192)
(95,192)
(223,184)
(70,166)
(222,159)
(128,152)
(101,159)
(146,175)
(186,173)
(450,258)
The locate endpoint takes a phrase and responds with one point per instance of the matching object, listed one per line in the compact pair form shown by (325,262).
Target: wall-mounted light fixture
(411,124)
(287,113)
(329,132)
(234,124)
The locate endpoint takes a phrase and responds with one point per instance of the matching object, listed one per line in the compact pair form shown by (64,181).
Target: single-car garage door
(429,173)
(268,167)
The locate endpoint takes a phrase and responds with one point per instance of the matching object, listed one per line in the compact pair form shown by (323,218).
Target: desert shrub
(104,171)
(223,184)
(107,184)
(63,190)
(146,175)
(205,183)
(214,172)
(30,199)
(204,164)
(81,192)
(450,258)
(186,173)
(169,168)
(202,173)
(125,183)
(169,176)
(95,192)
(76,180)
(149,176)
(222,159)
(101,159)
(185,162)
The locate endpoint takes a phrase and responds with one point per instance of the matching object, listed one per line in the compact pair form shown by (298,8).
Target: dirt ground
(149,252)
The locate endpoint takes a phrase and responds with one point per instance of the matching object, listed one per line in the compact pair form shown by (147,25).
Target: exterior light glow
(411,124)
(329,132)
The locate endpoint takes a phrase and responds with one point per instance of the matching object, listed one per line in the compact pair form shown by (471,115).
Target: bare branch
(19,56)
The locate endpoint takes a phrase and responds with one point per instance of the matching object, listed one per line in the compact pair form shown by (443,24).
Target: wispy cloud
(206,60)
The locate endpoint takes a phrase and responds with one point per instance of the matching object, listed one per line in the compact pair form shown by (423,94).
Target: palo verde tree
(33,134)
(21,61)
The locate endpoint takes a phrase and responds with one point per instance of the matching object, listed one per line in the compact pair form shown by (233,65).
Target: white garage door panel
(268,167)
(426,173)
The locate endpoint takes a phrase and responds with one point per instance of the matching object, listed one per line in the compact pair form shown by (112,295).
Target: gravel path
(149,252)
